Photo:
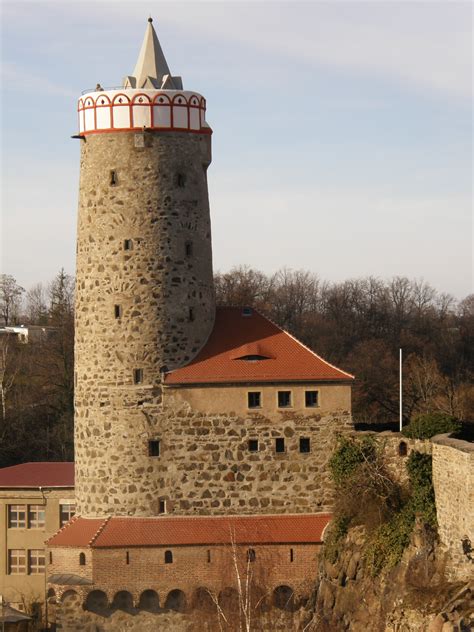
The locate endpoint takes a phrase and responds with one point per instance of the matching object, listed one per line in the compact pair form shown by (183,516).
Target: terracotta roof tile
(184,530)
(236,335)
(39,474)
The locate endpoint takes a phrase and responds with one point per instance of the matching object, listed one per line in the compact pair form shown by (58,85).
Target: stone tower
(144,292)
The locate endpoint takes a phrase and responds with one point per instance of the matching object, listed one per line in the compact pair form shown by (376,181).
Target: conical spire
(151,70)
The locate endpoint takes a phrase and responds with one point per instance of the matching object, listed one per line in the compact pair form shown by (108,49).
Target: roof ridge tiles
(305,346)
(99,531)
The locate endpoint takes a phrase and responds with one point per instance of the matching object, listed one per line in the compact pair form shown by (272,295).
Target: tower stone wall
(144,301)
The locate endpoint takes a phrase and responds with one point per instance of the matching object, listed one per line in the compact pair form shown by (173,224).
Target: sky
(342,136)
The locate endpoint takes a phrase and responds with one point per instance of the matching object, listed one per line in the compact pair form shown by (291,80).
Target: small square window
(16,561)
(137,376)
(312,399)
(305,445)
(66,512)
(279,444)
(247,311)
(254,399)
(253,445)
(17,516)
(284,399)
(36,516)
(127,244)
(36,561)
(154,449)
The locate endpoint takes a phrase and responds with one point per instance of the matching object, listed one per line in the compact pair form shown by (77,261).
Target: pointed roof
(151,70)
(244,346)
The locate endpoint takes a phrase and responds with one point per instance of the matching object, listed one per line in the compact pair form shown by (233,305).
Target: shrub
(336,532)
(349,454)
(430,424)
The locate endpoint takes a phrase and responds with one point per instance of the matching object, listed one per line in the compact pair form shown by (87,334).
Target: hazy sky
(342,130)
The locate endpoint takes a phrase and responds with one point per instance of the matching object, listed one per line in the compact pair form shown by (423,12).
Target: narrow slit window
(191,314)
(292,555)
(208,556)
(253,445)
(113,178)
(305,445)
(137,376)
(128,244)
(251,556)
(127,557)
(50,557)
(117,311)
(82,559)
(181,180)
(279,444)
(154,450)
(188,249)
(168,557)
(254,399)
(284,399)
(162,507)
(312,399)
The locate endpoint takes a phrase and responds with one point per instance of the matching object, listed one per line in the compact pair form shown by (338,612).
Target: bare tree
(10,298)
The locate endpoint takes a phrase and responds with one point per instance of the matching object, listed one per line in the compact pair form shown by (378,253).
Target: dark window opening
(154,450)
(168,557)
(292,555)
(247,311)
(137,376)
(251,555)
(113,178)
(50,557)
(279,444)
(284,399)
(117,311)
(188,249)
(312,399)
(181,180)
(127,557)
(402,449)
(254,400)
(191,314)
(127,244)
(162,507)
(208,556)
(305,445)
(253,445)
(252,358)
(82,559)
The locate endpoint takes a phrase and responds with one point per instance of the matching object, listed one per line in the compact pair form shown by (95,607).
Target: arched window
(168,557)
(402,449)
(251,555)
(82,559)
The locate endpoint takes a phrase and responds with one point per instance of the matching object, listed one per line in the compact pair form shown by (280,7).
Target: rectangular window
(279,444)
(312,399)
(188,248)
(162,507)
(305,445)
(284,399)
(253,445)
(292,555)
(254,399)
(191,314)
(117,311)
(36,516)
(137,376)
(36,561)
(127,244)
(113,178)
(66,512)
(154,448)
(208,556)
(17,516)
(16,562)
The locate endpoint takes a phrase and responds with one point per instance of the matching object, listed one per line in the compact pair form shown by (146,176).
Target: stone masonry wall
(144,294)
(453,479)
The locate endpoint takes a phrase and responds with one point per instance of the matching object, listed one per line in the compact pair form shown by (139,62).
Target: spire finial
(150,19)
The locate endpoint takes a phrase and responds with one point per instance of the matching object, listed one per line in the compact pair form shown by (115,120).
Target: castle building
(200,433)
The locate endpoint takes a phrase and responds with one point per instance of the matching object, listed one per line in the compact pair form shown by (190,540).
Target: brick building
(201,436)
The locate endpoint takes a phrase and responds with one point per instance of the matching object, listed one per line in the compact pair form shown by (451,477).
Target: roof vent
(247,311)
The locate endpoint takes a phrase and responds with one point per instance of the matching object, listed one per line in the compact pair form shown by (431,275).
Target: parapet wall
(453,479)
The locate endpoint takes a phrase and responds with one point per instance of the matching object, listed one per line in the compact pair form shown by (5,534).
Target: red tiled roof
(38,474)
(235,335)
(183,530)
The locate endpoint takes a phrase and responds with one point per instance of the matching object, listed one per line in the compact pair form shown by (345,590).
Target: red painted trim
(206,130)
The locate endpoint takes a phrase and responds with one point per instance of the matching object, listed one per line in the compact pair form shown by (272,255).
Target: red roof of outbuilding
(236,335)
(38,474)
(180,530)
